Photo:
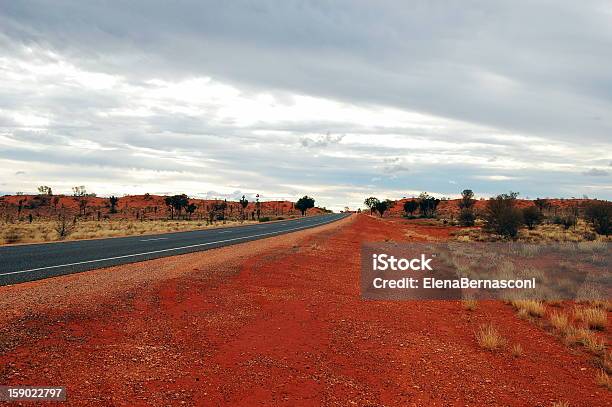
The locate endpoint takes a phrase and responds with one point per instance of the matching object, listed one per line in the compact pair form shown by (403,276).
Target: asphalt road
(23,263)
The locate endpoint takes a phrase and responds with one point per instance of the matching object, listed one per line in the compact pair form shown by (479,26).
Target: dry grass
(531,307)
(560,322)
(561,404)
(585,338)
(469,304)
(517,350)
(38,232)
(594,318)
(545,233)
(489,338)
(604,380)
(523,314)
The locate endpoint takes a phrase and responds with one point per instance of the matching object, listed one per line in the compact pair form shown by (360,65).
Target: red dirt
(275,322)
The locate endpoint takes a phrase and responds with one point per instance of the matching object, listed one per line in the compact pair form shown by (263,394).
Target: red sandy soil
(276,322)
(131,206)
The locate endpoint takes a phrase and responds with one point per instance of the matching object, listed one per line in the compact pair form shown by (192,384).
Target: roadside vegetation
(45,217)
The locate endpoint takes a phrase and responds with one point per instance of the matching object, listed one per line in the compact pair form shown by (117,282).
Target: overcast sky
(335,99)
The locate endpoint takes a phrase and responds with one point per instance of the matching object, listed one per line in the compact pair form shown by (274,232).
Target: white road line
(225,231)
(161,251)
(156,238)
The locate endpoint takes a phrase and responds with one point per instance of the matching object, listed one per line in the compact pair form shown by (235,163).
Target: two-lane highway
(37,261)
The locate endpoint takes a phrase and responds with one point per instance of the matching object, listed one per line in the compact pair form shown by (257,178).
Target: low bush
(532,217)
(264,219)
(467,217)
(502,217)
(599,215)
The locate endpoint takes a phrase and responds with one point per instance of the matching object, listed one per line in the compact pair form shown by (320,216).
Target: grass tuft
(604,380)
(469,304)
(517,350)
(594,318)
(489,338)
(531,307)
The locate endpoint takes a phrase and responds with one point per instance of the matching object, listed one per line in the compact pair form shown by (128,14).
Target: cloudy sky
(335,99)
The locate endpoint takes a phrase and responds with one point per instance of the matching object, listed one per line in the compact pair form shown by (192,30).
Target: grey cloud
(594,172)
(451,61)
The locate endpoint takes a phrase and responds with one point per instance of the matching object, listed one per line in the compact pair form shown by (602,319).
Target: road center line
(164,250)
(156,238)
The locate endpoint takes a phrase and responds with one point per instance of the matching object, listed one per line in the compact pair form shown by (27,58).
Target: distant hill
(132,207)
(450,208)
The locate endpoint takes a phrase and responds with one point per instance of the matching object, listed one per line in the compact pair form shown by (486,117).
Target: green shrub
(467,217)
(599,215)
(502,216)
(532,216)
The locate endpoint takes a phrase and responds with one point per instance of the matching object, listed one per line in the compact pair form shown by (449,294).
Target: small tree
(79,191)
(542,204)
(176,203)
(243,205)
(64,226)
(599,215)
(83,202)
(371,203)
(190,209)
(113,203)
(410,207)
(532,216)
(428,205)
(304,203)
(383,206)
(258,206)
(45,190)
(502,216)
(467,199)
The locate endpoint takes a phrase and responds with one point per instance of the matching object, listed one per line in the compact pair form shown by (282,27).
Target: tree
(243,204)
(467,199)
(410,206)
(383,206)
(83,201)
(190,209)
(428,205)
(532,216)
(79,191)
(599,215)
(45,190)
(176,203)
(63,226)
(502,216)
(113,204)
(371,203)
(542,204)
(304,203)
(258,206)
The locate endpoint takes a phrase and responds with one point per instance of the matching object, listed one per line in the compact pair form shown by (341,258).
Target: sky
(336,99)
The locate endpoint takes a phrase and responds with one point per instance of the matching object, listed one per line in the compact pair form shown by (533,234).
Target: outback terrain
(280,321)
(46,218)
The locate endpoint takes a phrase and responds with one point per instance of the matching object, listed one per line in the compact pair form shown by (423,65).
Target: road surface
(23,263)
